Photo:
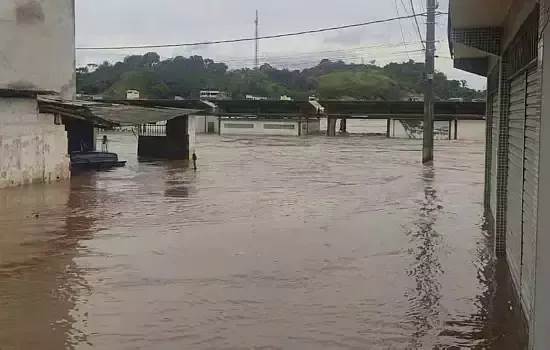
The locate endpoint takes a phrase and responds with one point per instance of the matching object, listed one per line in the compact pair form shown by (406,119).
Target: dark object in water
(94,160)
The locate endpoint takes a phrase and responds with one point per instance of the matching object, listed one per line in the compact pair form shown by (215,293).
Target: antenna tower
(256,41)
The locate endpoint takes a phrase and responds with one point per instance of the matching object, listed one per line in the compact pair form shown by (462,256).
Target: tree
(186,76)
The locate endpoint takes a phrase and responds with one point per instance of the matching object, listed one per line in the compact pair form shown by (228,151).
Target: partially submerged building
(40,122)
(37,46)
(508,41)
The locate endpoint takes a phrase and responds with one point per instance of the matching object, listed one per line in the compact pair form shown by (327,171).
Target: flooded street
(274,243)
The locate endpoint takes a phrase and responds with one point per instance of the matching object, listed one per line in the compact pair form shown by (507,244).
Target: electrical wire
(380,48)
(416,22)
(400,25)
(283,35)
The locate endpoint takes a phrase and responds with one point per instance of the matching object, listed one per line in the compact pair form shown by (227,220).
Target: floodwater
(274,243)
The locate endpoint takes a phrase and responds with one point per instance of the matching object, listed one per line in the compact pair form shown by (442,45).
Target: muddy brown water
(274,243)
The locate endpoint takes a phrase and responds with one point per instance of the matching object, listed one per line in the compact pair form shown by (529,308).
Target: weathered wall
(37,46)
(32,147)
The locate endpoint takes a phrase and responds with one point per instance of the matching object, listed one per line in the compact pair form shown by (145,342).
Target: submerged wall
(32,147)
(259,127)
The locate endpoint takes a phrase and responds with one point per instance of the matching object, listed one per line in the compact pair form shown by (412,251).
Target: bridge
(409,113)
(331,108)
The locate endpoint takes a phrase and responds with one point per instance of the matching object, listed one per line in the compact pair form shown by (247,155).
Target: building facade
(508,41)
(37,46)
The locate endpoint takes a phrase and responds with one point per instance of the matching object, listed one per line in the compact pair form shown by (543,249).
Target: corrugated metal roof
(109,114)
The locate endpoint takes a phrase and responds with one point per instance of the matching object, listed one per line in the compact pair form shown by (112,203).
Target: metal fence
(152,129)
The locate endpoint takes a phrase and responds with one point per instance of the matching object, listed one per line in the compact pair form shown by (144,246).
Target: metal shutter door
(494,160)
(530,189)
(516,132)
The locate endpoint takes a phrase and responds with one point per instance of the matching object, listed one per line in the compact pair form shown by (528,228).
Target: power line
(380,51)
(376,48)
(416,22)
(400,26)
(328,29)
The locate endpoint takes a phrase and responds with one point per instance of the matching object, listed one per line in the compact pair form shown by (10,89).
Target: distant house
(132,95)
(414,98)
(210,95)
(255,98)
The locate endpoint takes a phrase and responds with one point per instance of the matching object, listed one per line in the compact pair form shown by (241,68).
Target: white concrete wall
(202,123)
(191,131)
(32,147)
(37,46)
(258,127)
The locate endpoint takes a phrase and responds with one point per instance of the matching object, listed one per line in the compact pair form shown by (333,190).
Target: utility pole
(257,49)
(428,137)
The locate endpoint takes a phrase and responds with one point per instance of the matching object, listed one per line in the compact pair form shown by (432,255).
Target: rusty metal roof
(108,114)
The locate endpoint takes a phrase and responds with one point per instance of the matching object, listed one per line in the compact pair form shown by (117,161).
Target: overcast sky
(101,23)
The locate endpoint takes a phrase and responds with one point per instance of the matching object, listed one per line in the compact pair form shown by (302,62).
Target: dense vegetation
(185,77)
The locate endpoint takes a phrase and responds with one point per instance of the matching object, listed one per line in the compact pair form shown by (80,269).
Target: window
(279,126)
(238,126)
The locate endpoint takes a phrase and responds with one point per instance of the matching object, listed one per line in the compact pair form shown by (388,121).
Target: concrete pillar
(488,154)
(456,129)
(540,336)
(388,128)
(502,160)
(94,144)
(331,126)
(191,132)
(343,125)
(450,128)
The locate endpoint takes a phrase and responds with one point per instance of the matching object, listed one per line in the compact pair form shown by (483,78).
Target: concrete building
(37,46)
(508,41)
(279,127)
(213,95)
(132,95)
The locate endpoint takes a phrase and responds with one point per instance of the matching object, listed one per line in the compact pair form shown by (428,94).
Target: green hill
(186,76)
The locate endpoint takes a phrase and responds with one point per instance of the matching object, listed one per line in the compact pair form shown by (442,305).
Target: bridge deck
(332,108)
(437,117)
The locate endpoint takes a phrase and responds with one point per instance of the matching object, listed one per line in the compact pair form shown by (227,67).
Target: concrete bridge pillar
(344,125)
(331,126)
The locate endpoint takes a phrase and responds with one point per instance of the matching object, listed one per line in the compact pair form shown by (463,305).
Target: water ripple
(274,243)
